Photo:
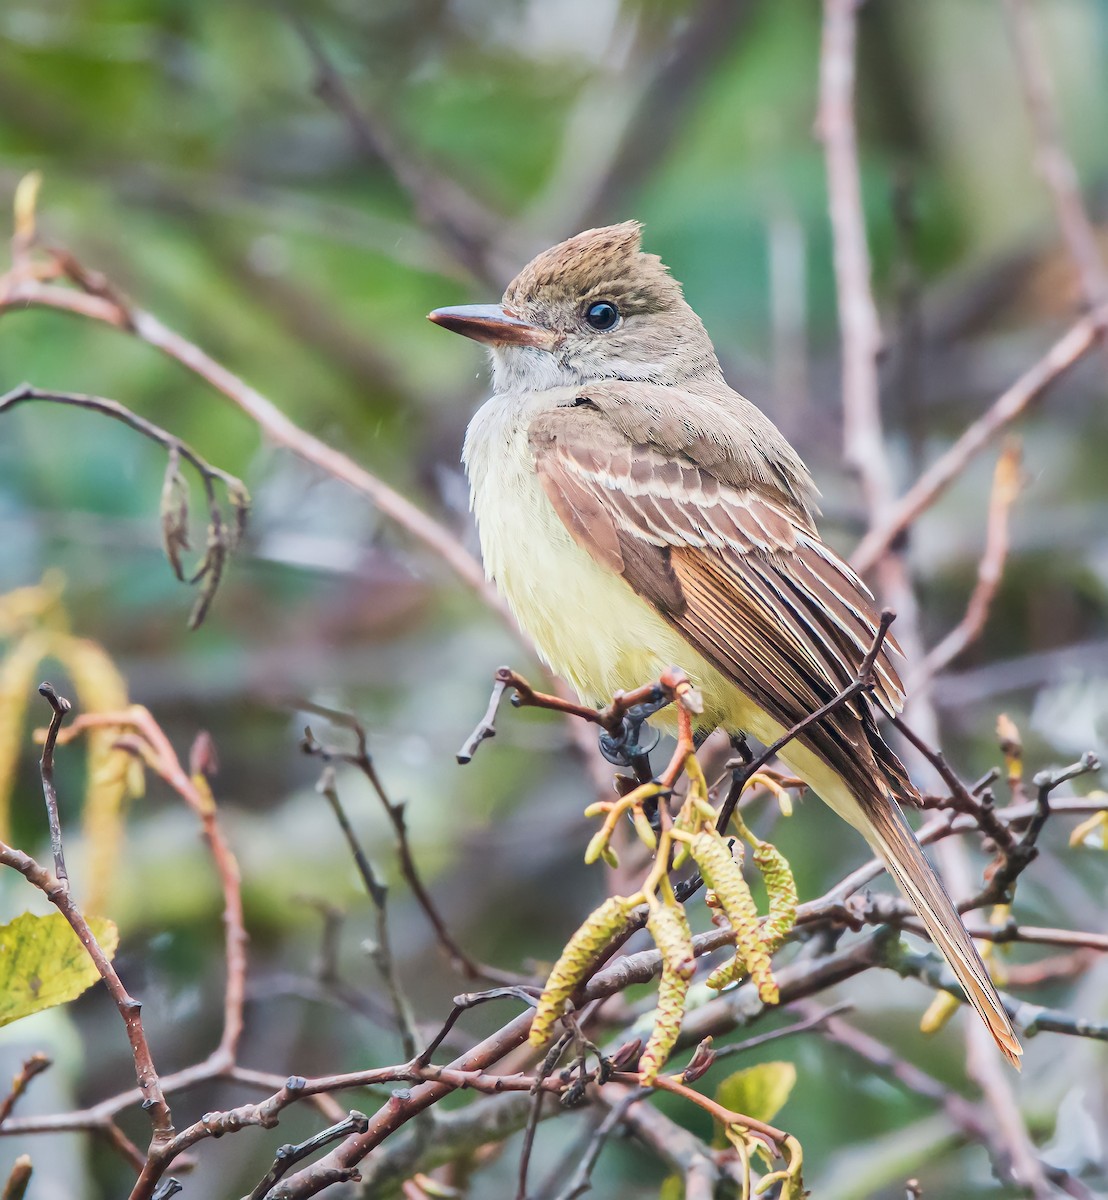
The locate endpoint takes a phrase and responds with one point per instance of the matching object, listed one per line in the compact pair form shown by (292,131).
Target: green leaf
(759,1092)
(42,963)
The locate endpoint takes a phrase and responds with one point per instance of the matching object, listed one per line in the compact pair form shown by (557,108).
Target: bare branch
(60,707)
(863,442)
(1007,408)
(1006,482)
(363,761)
(292,1153)
(32,1066)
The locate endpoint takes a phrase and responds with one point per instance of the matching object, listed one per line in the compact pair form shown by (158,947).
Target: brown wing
(743,577)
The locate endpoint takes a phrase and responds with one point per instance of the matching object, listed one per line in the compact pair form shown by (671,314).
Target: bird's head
(593,307)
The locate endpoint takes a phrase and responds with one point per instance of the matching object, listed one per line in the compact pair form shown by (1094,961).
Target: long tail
(891,836)
(878,818)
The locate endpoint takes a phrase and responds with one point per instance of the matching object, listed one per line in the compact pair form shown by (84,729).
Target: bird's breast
(585,621)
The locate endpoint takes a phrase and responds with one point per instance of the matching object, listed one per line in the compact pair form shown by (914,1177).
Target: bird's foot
(631,746)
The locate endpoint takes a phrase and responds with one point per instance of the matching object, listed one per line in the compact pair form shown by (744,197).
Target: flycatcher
(636,512)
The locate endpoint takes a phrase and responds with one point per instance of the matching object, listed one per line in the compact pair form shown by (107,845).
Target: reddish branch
(145,738)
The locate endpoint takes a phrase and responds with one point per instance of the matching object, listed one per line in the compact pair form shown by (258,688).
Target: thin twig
(17,292)
(815,1019)
(151,743)
(546,1069)
(1007,408)
(363,761)
(863,443)
(1006,482)
(291,1153)
(35,1065)
(60,707)
(672,685)
(129,1008)
(381,950)
(580,1181)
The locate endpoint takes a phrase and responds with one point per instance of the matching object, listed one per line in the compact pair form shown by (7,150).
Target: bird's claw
(635,739)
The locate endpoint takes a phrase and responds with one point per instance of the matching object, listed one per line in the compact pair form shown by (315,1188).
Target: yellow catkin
(672,991)
(669,927)
(600,927)
(724,875)
(781,888)
(726,973)
(942,1007)
(598,843)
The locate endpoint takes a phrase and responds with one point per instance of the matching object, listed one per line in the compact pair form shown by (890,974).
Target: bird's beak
(490,323)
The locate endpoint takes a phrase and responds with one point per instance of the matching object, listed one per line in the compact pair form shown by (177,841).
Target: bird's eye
(602,315)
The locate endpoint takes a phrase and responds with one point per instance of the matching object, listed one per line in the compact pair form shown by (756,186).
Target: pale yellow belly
(585,621)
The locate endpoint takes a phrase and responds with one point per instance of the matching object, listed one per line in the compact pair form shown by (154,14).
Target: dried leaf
(240,506)
(42,963)
(209,572)
(175,513)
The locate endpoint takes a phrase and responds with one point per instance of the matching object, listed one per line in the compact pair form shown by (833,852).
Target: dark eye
(602,315)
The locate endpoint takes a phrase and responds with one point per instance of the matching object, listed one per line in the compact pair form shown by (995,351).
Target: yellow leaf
(100,688)
(1092,832)
(17,684)
(759,1091)
(37,606)
(673,1188)
(42,963)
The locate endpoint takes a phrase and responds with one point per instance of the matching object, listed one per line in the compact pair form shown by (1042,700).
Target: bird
(635,512)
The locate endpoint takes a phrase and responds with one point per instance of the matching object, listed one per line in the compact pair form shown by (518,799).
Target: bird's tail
(878,818)
(889,833)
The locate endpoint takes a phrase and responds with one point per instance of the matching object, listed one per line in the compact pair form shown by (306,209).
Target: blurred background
(190,153)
